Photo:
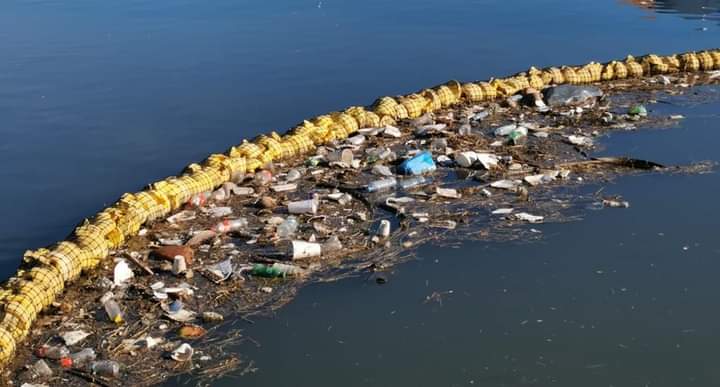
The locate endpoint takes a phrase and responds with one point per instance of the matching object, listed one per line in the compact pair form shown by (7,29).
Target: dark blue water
(99,98)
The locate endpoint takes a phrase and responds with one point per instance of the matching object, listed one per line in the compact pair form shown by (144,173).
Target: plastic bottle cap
(66,362)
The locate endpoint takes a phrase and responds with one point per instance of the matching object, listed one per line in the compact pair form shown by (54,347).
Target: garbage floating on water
(312,198)
(419,164)
(528,217)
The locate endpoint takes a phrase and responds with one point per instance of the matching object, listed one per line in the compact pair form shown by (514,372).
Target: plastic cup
(302,249)
(179,265)
(303,207)
(466,159)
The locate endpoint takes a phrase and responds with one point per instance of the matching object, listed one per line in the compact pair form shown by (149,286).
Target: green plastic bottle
(275,270)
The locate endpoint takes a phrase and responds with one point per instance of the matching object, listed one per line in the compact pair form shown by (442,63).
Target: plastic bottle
(518,136)
(84,356)
(262,178)
(413,182)
(384,229)
(228,225)
(275,270)
(309,206)
(382,185)
(287,228)
(293,175)
(331,245)
(106,368)
(54,352)
(41,369)
(199,200)
(113,311)
(439,145)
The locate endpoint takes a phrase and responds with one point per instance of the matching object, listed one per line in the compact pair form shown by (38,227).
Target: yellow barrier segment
(46,271)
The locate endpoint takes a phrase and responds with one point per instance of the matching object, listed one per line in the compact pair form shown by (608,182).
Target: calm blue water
(99,98)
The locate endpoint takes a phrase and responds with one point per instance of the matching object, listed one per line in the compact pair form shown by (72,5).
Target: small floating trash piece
(229,225)
(54,352)
(122,273)
(293,175)
(287,228)
(309,206)
(391,131)
(506,184)
(182,216)
(615,203)
(82,357)
(505,130)
(384,229)
(414,181)
(344,157)
(302,249)
(41,369)
(563,95)
(528,217)
(638,110)
(446,224)
(221,270)
(191,331)
(181,315)
(112,308)
(382,185)
(381,170)
(503,211)
(580,140)
(182,353)
(106,368)
(541,178)
(331,245)
(449,193)
(179,265)
(219,212)
(275,270)
(212,317)
(73,337)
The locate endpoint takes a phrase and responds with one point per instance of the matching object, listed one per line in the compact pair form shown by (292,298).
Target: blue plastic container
(421,163)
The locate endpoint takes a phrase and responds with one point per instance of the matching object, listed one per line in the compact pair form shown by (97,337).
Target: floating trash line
(45,272)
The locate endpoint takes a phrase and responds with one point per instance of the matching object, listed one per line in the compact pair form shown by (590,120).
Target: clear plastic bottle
(382,185)
(199,200)
(54,352)
(414,182)
(113,311)
(287,228)
(262,178)
(228,225)
(84,356)
(41,369)
(106,368)
(333,244)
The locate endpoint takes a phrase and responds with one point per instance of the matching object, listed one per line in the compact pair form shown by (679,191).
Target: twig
(142,265)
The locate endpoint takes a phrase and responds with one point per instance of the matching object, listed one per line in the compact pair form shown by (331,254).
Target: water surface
(99,98)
